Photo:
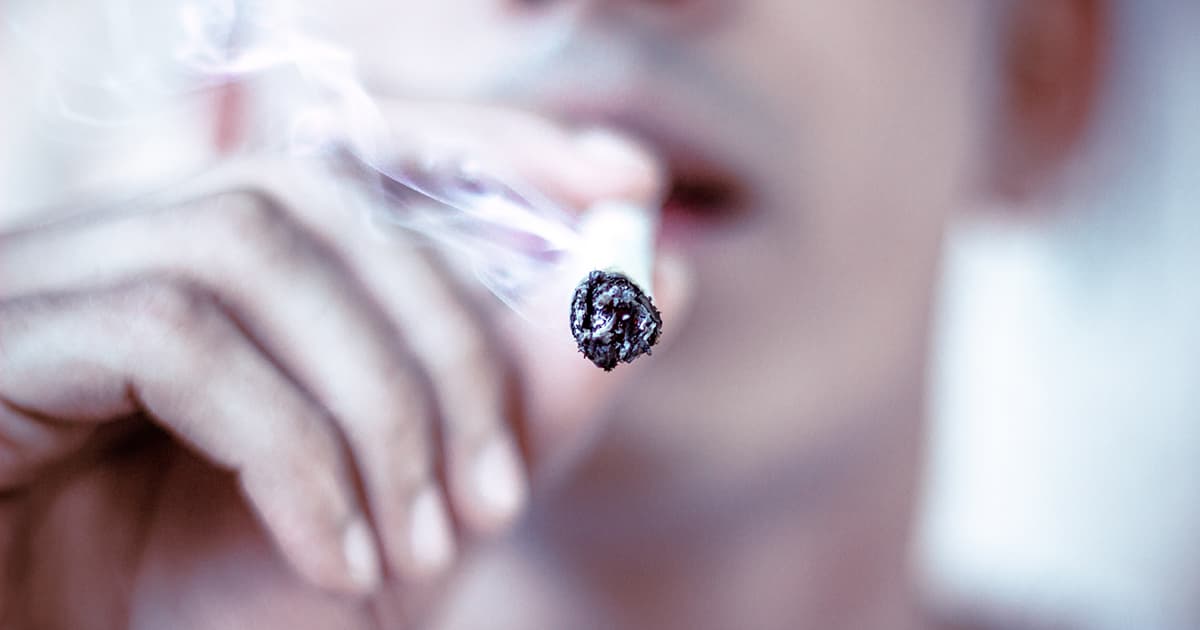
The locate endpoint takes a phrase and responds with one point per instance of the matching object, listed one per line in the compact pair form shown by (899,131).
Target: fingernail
(499,482)
(641,170)
(607,146)
(361,558)
(431,538)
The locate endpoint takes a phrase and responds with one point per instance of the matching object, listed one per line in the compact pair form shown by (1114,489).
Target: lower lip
(680,226)
(686,226)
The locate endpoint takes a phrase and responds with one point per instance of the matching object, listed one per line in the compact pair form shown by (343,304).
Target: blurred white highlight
(1063,481)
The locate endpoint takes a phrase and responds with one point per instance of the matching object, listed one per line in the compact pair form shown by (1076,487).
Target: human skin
(763,471)
(754,475)
(344,413)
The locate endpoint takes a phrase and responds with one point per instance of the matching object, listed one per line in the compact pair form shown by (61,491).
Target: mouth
(706,193)
(703,194)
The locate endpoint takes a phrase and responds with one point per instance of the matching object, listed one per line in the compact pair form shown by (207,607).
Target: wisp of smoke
(509,234)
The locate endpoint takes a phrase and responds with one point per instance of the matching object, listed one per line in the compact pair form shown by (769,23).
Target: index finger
(576,170)
(573,167)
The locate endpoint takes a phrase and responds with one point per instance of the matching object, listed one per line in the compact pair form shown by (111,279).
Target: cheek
(883,152)
(833,289)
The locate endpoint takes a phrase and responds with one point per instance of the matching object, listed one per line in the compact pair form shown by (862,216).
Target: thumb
(564,394)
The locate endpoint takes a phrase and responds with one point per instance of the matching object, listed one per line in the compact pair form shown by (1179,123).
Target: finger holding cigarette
(628,274)
(373,414)
(618,184)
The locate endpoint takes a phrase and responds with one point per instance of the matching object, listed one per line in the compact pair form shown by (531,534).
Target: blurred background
(1063,473)
(1065,463)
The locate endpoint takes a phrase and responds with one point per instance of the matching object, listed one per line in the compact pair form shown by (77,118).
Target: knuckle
(454,342)
(414,416)
(314,458)
(414,465)
(407,434)
(468,346)
(173,304)
(470,358)
(251,212)
(408,392)
(180,315)
(257,226)
(470,381)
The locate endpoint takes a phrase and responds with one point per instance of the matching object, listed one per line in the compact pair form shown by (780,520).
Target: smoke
(104,69)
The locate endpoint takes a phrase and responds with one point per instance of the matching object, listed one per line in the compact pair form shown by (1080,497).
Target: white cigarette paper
(619,237)
(613,316)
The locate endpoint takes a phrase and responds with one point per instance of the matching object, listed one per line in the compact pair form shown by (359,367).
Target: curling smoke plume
(155,54)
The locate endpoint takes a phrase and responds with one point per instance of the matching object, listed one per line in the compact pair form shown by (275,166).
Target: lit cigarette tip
(613,317)
(613,320)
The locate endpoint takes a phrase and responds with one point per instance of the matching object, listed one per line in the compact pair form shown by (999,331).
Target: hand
(331,398)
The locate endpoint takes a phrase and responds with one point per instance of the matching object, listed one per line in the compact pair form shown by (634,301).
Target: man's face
(816,149)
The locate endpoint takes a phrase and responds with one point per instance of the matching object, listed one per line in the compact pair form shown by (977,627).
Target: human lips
(704,192)
(702,196)
(706,189)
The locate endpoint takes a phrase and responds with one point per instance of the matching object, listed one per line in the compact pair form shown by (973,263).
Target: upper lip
(699,180)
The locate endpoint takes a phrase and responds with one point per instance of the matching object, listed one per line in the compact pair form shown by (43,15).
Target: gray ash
(613,320)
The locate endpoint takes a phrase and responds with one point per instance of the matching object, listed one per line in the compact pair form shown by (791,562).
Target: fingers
(447,337)
(484,472)
(486,476)
(168,349)
(291,292)
(576,168)
(329,333)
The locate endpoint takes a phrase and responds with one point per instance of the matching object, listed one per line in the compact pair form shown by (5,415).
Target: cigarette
(613,317)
